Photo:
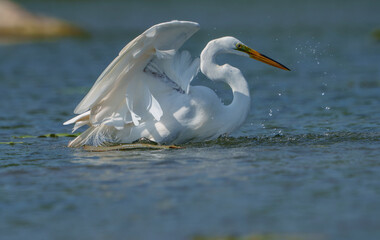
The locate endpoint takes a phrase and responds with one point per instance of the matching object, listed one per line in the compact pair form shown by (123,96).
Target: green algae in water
(11,143)
(55,135)
(50,135)
(376,35)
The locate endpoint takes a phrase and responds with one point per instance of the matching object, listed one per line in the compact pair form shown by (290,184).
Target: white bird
(145,92)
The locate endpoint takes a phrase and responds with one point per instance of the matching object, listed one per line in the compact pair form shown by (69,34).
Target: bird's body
(146,93)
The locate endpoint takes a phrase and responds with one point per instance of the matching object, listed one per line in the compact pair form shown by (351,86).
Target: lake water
(305,165)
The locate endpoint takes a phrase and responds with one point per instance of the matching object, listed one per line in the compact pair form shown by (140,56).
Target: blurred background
(303,166)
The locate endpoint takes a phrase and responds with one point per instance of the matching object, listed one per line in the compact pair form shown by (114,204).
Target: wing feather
(120,96)
(177,72)
(163,36)
(185,69)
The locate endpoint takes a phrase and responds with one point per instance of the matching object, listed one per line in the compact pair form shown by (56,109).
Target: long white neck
(236,112)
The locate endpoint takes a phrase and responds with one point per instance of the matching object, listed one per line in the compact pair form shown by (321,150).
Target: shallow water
(304,165)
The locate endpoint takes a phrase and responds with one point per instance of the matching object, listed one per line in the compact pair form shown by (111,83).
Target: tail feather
(82,117)
(101,135)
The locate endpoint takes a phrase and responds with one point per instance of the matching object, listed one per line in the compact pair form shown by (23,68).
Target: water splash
(327,138)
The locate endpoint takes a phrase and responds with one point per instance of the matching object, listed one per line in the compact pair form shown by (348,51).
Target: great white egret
(145,92)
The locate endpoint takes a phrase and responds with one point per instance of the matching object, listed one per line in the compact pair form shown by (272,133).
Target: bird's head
(234,46)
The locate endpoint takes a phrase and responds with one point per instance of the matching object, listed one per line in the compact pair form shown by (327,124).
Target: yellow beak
(261,57)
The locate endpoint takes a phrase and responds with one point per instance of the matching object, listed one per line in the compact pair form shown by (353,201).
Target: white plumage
(146,93)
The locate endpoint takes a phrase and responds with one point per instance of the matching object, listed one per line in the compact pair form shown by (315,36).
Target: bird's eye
(238,45)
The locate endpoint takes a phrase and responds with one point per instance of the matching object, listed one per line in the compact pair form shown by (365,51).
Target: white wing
(121,96)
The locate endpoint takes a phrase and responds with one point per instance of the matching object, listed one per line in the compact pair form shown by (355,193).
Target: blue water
(305,165)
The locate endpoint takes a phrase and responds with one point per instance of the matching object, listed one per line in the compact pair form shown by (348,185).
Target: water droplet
(327,108)
(279,94)
(323,94)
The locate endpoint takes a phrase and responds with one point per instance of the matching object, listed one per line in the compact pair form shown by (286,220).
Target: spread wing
(121,95)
